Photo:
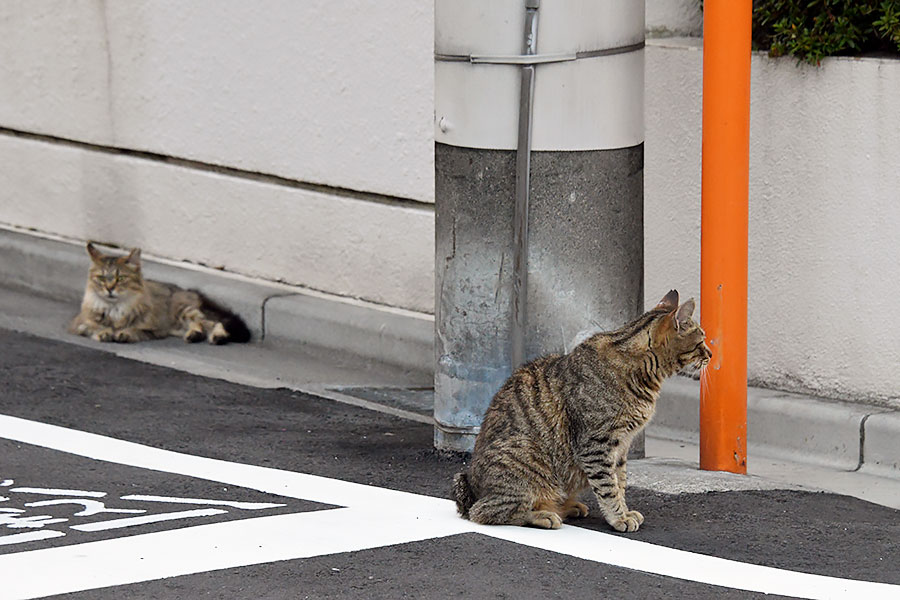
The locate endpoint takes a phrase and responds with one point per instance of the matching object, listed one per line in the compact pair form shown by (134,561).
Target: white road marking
(209,547)
(229,503)
(376,517)
(132,521)
(31,536)
(91,507)
(56,492)
(12,519)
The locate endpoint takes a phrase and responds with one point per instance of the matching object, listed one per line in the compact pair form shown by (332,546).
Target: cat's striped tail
(237,330)
(463,494)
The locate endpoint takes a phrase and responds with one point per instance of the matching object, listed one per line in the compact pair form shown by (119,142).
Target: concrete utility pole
(539,189)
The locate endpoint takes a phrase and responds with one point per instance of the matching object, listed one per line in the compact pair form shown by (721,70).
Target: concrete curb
(881,444)
(404,340)
(276,313)
(793,427)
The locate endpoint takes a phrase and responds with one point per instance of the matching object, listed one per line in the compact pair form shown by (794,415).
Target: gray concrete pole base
(454,439)
(585,266)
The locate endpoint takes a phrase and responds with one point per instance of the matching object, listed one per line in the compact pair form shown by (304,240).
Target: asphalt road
(72,495)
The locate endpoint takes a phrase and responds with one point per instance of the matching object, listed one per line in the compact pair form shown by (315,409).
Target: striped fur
(561,424)
(119,305)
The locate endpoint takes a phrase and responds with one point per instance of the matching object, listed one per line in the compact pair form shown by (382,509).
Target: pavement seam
(262,317)
(334,393)
(862,441)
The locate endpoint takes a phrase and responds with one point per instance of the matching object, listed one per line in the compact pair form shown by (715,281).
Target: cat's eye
(107,278)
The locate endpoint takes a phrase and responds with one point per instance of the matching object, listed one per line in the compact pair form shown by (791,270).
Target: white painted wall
(824,214)
(334,93)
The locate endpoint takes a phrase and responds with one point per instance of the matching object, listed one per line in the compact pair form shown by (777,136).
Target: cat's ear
(93,252)
(663,328)
(669,301)
(683,317)
(134,257)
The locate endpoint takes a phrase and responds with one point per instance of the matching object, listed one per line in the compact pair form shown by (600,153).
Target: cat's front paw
(104,335)
(631,521)
(577,510)
(544,519)
(125,336)
(194,335)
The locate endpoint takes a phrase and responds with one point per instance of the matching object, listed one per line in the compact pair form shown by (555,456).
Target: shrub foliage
(813,29)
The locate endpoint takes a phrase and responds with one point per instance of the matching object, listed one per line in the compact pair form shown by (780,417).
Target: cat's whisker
(704,375)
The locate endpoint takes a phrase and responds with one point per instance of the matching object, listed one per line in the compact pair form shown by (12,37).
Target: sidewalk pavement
(379,358)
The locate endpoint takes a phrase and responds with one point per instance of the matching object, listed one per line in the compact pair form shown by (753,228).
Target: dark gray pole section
(554,235)
(523,189)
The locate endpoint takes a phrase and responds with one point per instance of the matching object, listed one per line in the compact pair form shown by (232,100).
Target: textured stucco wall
(824,265)
(324,92)
(674,18)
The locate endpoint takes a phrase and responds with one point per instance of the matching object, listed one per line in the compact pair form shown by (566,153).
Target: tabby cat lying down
(119,305)
(561,424)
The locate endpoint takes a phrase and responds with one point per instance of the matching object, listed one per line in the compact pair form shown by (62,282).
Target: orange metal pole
(723,272)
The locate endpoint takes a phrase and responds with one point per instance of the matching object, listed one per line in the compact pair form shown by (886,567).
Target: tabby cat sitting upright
(561,424)
(119,305)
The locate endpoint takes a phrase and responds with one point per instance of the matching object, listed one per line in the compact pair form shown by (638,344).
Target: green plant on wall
(812,30)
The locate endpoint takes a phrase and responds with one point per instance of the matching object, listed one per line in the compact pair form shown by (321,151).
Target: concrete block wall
(295,144)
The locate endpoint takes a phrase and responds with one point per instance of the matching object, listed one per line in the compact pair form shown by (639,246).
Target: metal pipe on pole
(724,235)
(523,190)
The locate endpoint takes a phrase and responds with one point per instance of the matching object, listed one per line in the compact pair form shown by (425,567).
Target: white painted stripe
(132,521)
(264,479)
(229,503)
(680,564)
(379,517)
(58,492)
(30,536)
(208,547)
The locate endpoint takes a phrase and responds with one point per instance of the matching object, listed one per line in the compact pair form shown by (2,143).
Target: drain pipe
(523,189)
